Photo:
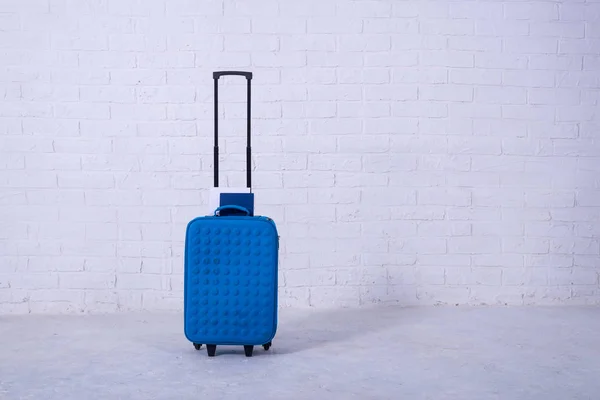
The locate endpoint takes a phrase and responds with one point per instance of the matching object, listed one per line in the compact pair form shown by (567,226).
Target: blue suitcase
(231,272)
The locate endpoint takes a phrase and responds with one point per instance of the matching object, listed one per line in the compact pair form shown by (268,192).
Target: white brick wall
(413,152)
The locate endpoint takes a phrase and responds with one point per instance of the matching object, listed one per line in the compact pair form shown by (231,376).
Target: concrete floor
(380,353)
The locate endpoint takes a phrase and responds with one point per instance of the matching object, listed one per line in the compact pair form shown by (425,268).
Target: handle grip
(218,74)
(231,207)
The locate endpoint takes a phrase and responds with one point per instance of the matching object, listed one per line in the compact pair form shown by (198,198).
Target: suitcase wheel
(211,349)
(267,346)
(248,350)
(197,346)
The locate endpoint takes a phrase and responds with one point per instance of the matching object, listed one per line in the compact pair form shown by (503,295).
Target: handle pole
(216,146)
(248,145)
(248,76)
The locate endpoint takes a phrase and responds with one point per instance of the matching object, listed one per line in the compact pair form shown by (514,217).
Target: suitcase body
(230,283)
(231,269)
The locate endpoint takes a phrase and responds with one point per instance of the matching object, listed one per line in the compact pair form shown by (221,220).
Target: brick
(303,179)
(337,25)
(139,281)
(525,245)
(528,78)
(393,25)
(501,95)
(457,93)
(387,163)
(526,147)
(429,75)
(529,112)
(162,25)
(456,59)
(576,246)
(88,180)
(87,280)
(28,110)
(476,10)
(31,179)
(419,42)
(389,196)
(137,42)
(490,197)
(554,62)
(551,130)
(434,162)
(424,9)
(329,59)
(188,7)
(502,28)
(548,261)
(309,75)
(365,9)
(558,29)
(42,92)
(419,179)
(446,27)
(553,96)
(164,60)
(475,76)
(310,42)
(474,145)
(137,77)
(309,278)
(320,162)
(378,126)
(549,229)
(478,44)
(496,228)
(583,147)
(264,8)
(448,197)
(13,162)
(386,59)
(82,111)
(334,93)
(251,43)
(419,145)
(433,295)
(136,8)
(279,59)
(588,198)
(579,46)
(363,43)
(393,93)
(363,144)
(497,164)
(106,94)
(545,11)
(466,110)
(293,25)
(138,112)
(354,212)
(549,199)
(334,296)
(419,246)
(534,277)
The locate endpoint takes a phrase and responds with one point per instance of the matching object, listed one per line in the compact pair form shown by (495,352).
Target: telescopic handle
(248,76)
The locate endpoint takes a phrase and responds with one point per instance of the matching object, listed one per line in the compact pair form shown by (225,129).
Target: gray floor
(380,353)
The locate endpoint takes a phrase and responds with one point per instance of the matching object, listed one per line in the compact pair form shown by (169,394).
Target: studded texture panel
(231,280)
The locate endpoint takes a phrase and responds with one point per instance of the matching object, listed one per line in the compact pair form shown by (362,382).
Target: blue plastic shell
(230,280)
